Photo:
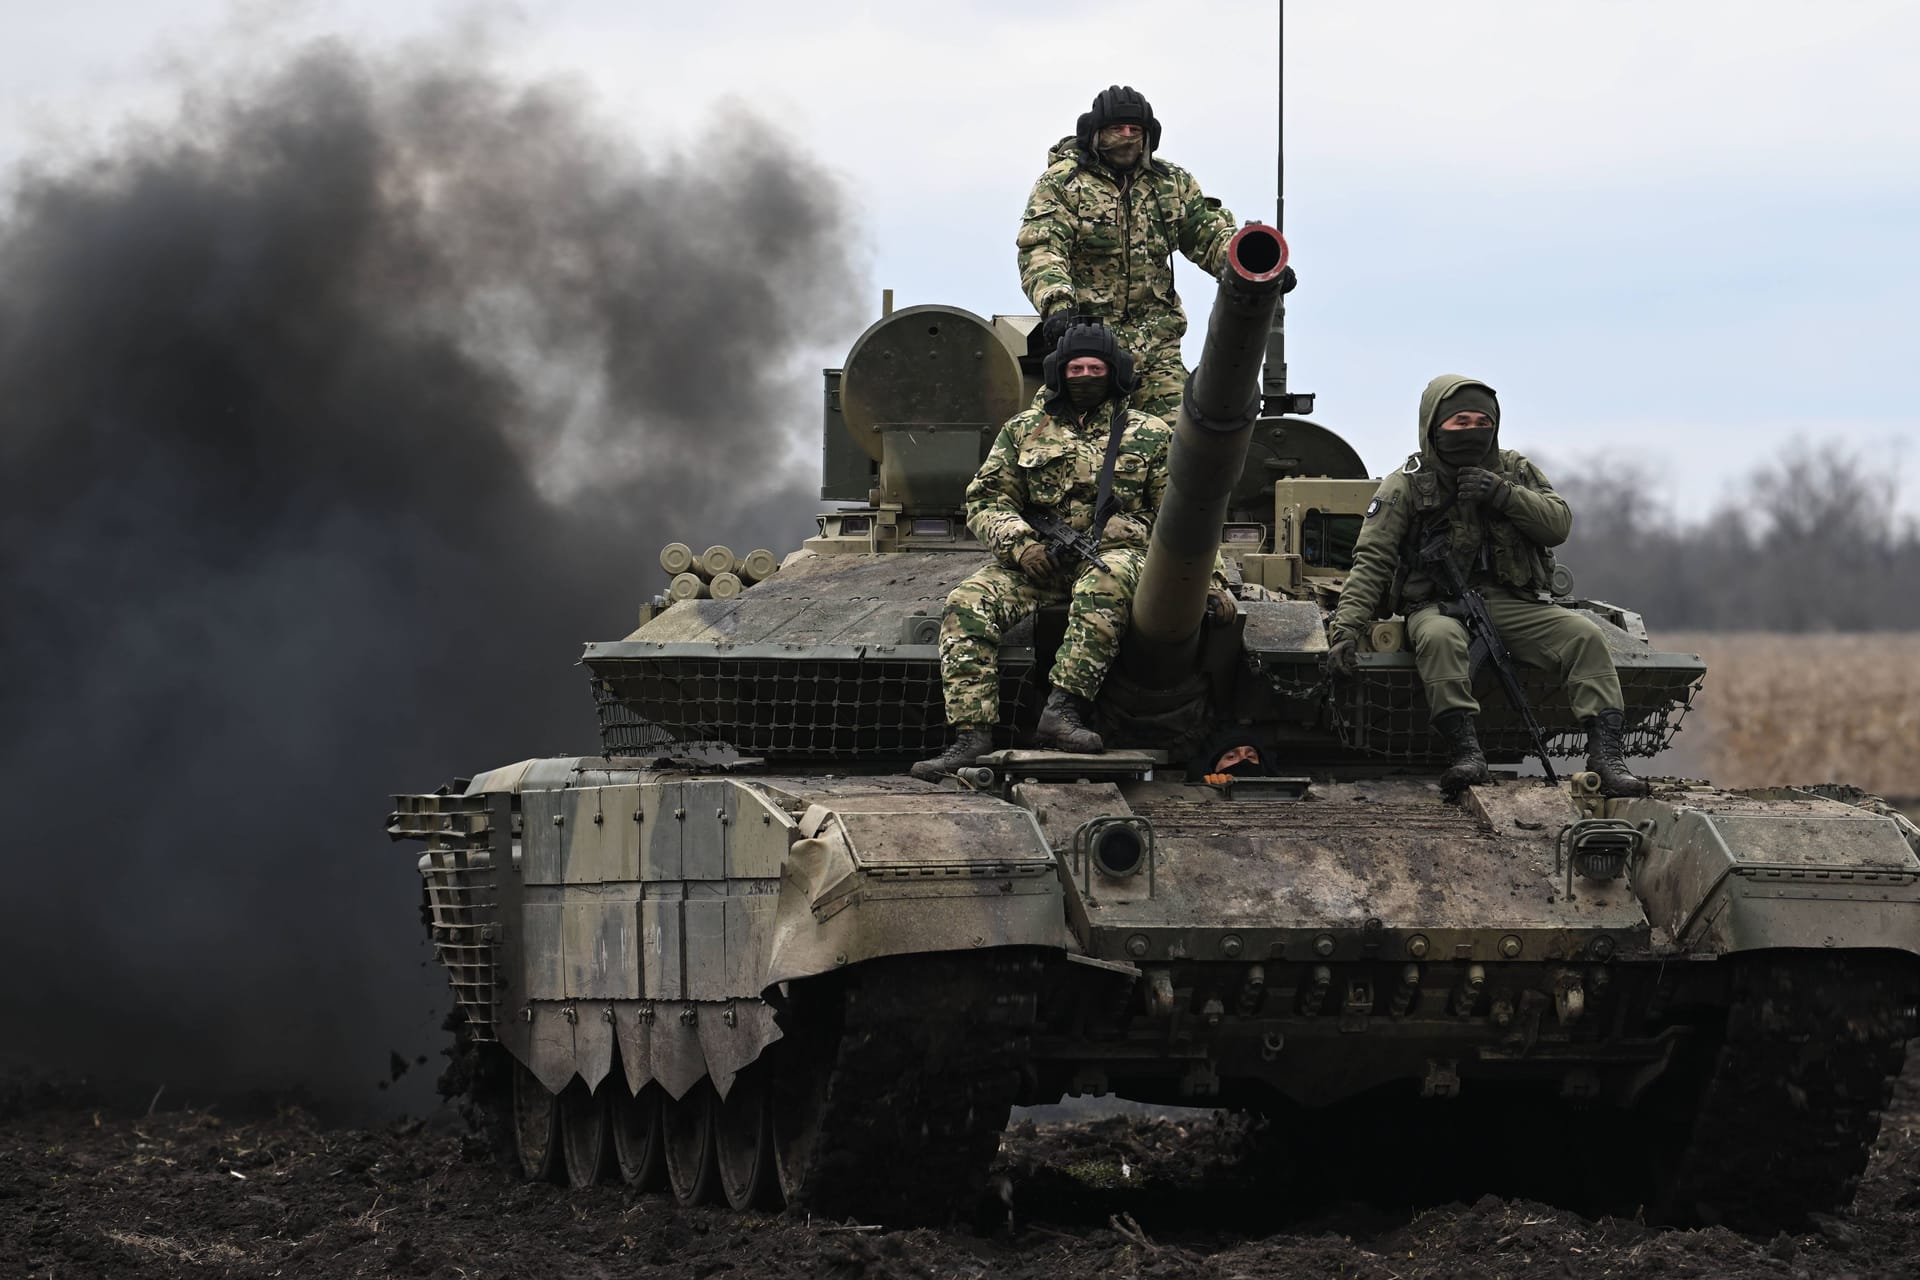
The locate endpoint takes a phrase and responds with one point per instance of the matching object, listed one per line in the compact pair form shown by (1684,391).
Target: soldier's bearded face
(1121,144)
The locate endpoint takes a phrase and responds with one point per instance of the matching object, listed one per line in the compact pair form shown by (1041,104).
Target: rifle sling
(1103,504)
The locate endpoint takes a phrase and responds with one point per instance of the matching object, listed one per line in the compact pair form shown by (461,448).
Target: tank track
(1792,1104)
(931,1056)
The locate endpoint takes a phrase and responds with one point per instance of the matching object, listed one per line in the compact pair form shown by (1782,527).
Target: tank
(740,953)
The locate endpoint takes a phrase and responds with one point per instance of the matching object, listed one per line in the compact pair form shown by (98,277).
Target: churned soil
(106,1192)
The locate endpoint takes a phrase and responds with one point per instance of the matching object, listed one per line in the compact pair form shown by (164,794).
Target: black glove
(1288,279)
(1343,658)
(1055,326)
(1477,484)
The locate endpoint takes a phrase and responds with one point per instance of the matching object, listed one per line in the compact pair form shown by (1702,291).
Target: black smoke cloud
(334,413)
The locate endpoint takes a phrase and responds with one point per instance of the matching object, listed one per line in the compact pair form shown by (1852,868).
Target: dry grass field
(1779,708)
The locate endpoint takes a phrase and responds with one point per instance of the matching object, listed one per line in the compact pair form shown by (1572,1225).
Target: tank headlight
(1118,847)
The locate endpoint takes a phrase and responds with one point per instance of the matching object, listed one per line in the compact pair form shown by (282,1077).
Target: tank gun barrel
(1209,448)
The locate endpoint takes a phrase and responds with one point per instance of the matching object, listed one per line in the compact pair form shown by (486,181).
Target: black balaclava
(1470,447)
(1086,338)
(1085,391)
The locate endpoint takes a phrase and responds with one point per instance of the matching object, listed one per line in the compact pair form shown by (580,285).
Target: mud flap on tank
(592,1044)
(550,1045)
(565,1040)
(677,1062)
(732,1036)
(675,1043)
(634,1031)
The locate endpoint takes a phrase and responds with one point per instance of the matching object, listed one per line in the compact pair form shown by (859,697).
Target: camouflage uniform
(1051,462)
(1511,576)
(1105,243)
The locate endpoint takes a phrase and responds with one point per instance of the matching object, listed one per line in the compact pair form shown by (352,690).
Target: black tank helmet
(1086,337)
(1118,104)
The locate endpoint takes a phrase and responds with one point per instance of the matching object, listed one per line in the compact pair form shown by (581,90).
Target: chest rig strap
(1104,504)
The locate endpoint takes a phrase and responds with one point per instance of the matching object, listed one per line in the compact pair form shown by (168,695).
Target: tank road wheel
(639,1144)
(687,1123)
(583,1135)
(536,1127)
(743,1133)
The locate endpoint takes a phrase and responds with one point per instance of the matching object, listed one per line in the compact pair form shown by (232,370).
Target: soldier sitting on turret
(1085,459)
(1498,515)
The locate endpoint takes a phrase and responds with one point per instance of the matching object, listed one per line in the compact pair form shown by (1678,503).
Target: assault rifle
(1484,645)
(1062,540)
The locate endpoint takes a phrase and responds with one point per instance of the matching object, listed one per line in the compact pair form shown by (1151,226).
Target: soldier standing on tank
(1085,458)
(1099,234)
(1499,516)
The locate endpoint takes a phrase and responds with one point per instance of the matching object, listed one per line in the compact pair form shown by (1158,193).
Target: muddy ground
(105,1190)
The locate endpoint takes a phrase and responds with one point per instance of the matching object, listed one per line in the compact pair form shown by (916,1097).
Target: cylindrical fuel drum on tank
(687,586)
(676,558)
(725,586)
(758,566)
(717,560)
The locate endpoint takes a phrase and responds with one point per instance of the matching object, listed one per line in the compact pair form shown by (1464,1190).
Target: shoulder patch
(1380,504)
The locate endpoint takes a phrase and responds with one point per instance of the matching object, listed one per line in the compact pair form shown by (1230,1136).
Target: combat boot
(1468,763)
(1606,756)
(972,743)
(1064,727)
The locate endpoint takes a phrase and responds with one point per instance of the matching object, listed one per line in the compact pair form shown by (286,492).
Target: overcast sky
(1685,230)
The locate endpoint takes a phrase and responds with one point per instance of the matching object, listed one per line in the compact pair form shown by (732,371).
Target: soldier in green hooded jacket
(1499,517)
(1062,458)
(1099,234)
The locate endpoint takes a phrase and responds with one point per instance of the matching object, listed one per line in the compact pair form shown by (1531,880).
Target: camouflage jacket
(1051,462)
(1108,245)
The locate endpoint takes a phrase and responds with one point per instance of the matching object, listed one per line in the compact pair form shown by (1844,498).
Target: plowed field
(183,1193)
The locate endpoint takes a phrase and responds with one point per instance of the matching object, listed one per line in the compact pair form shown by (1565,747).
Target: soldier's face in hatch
(1236,755)
(1121,144)
(1466,420)
(1087,367)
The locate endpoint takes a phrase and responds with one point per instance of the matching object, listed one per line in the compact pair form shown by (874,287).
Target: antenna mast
(1275,398)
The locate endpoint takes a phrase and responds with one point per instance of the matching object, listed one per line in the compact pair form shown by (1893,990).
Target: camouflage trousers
(1537,633)
(1159,383)
(981,609)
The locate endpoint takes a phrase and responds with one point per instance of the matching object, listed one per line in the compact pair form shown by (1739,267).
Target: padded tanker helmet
(1118,104)
(1089,338)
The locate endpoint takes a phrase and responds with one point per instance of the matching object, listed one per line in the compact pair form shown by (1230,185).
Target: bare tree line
(1810,541)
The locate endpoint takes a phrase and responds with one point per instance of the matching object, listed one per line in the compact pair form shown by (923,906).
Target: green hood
(1437,390)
